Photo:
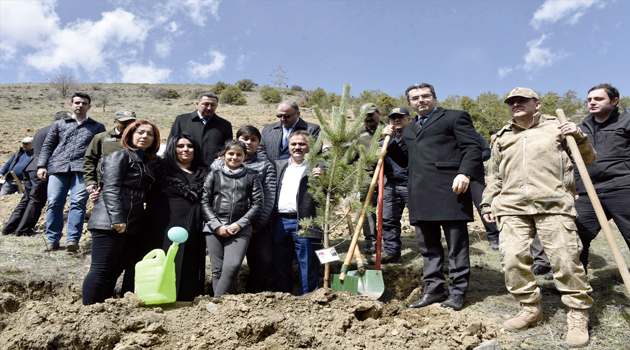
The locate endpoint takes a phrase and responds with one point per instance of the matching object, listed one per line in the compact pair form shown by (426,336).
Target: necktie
(421,121)
(285,137)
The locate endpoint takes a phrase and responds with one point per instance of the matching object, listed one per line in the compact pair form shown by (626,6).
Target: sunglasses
(285,116)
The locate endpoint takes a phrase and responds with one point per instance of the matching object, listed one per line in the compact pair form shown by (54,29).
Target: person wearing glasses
(210,130)
(442,152)
(275,136)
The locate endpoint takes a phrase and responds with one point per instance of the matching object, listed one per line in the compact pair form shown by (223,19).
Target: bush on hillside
(245,84)
(270,95)
(296,88)
(218,87)
(160,93)
(232,95)
(319,97)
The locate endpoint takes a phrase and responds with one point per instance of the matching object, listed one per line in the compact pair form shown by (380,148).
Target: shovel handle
(17,181)
(368,200)
(357,251)
(597,206)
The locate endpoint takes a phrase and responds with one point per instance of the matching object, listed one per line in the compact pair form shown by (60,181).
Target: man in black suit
(27,212)
(442,152)
(210,130)
(275,136)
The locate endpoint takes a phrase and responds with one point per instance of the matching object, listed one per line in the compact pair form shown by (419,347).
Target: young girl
(231,201)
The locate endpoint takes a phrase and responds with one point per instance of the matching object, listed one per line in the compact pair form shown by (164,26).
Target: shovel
(597,205)
(344,281)
(361,281)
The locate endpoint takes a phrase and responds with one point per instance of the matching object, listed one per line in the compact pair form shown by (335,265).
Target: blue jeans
(58,186)
(10,186)
(286,244)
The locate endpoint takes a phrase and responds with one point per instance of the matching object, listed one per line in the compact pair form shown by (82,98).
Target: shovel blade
(350,284)
(370,283)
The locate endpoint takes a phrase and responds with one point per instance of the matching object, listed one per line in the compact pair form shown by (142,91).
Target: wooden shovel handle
(368,199)
(599,210)
(357,251)
(17,181)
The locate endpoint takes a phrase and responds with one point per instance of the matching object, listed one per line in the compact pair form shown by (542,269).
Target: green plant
(319,98)
(270,95)
(218,87)
(296,88)
(232,95)
(245,84)
(172,93)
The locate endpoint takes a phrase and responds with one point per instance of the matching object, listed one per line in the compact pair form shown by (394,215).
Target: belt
(293,216)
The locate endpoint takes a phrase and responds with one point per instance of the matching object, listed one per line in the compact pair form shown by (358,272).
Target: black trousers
(616,205)
(428,235)
(476,190)
(260,261)
(27,212)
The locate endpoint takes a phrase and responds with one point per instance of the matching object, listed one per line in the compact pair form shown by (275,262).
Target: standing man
(372,121)
(101,146)
(210,130)
(275,136)
(531,191)
(16,163)
(27,212)
(61,161)
(294,203)
(394,191)
(609,133)
(476,189)
(440,147)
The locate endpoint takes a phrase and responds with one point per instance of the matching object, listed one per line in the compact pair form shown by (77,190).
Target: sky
(460,47)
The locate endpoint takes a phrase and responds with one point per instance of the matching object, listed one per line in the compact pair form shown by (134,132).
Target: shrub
(159,93)
(172,93)
(97,87)
(245,84)
(319,97)
(195,93)
(63,83)
(218,87)
(52,95)
(232,95)
(296,88)
(270,95)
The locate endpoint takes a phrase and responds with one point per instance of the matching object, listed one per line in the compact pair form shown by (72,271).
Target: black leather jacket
(125,179)
(231,199)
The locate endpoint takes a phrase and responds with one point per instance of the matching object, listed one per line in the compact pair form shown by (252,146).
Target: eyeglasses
(424,97)
(285,116)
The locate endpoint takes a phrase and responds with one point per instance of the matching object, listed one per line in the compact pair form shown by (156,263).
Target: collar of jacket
(252,159)
(195,115)
(538,118)
(614,114)
(300,122)
(113,133)
(86,120)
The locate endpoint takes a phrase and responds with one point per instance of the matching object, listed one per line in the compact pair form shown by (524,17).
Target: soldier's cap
(27,139)
(369,108)
(398,111)
(521,92)
(124,115)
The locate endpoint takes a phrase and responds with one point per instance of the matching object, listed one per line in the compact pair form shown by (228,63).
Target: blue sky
(461,47)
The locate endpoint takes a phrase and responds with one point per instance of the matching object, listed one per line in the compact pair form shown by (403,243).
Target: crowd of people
(244,197)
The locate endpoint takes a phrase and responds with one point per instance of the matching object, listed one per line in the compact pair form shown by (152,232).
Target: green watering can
(155,273)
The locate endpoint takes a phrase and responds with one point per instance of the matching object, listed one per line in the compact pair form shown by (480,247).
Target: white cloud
(241,61)
(163,47)
(25,23)
(198,70)
(172,27)
(536,58)
(138,73)
(197,10)
(88,44)
(554,10)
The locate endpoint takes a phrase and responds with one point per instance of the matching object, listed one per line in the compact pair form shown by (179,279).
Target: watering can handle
(153,254)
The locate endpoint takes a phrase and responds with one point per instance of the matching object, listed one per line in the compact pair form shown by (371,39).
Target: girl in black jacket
(126,176)
(231,201)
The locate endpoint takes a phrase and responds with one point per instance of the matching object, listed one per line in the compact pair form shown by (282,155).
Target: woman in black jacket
(175,200)
(126,176)
(232,200)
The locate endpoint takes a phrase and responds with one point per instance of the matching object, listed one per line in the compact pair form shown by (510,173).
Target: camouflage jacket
(530,170)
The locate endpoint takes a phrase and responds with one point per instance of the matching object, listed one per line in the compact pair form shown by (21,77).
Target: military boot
(529,315)
(577,320)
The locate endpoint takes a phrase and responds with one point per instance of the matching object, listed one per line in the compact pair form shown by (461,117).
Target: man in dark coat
(275,136)
(442,152)
(27,212)
(210,130)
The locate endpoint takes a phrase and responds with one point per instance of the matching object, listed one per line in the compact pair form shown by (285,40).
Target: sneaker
(50,246)
(494,244)
(72,246)
(577,320)
(540,269)
(530,314)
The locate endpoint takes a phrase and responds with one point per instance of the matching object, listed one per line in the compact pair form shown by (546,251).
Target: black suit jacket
(445,146)
(38,141)
(211,136)
(271,142)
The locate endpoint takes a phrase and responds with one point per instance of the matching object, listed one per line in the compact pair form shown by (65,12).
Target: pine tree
(347,170)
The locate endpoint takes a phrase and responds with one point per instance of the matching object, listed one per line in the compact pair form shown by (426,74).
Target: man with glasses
(210,130)
(442,151)
(275,136)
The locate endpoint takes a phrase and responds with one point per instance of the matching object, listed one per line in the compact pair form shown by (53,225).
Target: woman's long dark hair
(170,154)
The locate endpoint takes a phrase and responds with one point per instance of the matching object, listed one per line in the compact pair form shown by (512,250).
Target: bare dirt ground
(40,293)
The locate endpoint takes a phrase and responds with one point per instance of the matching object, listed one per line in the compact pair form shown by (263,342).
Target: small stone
(211,307)
(395,332)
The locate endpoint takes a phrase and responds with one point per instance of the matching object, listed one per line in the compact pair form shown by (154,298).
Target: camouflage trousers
(559,238)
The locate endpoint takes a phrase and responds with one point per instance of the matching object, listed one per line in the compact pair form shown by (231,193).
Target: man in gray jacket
(61,162)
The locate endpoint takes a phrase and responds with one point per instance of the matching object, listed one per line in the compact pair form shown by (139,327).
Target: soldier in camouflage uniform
(531,190)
